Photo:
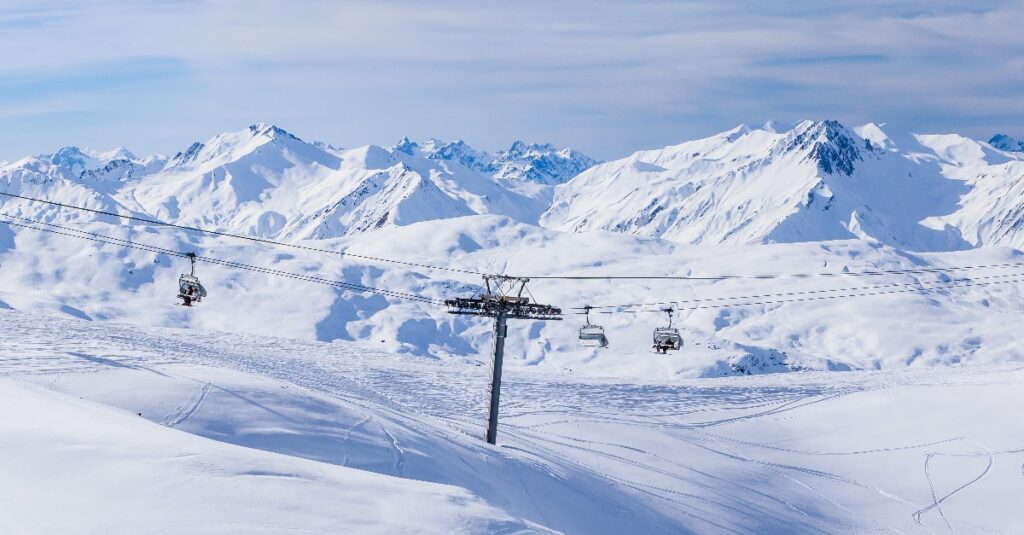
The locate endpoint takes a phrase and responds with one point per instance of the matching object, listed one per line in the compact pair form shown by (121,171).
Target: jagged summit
(1007,143)
(833,146)
(541,163)
(436,149)
(270,130)
(521,148)
(188,155)
(406,145)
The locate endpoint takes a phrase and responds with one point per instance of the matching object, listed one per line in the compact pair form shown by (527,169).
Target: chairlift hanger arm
(495,301)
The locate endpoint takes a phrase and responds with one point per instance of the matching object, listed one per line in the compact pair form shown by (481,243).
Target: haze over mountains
(818,195)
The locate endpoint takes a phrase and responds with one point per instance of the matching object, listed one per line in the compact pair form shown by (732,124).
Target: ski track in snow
(938,501)
(185,411)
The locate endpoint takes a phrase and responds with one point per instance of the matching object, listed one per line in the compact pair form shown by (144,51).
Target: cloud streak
(608,77)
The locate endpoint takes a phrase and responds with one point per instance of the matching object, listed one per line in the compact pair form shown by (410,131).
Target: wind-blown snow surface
(919,451)
(77,467)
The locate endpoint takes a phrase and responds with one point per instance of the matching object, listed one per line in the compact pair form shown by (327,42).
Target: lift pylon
(502,299)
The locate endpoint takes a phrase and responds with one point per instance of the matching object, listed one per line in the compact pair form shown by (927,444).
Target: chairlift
(592,335)
(667,338)
(190,290)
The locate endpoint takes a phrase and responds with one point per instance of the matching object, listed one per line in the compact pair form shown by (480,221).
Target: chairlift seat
(668,338)
(593,335)
(189,286)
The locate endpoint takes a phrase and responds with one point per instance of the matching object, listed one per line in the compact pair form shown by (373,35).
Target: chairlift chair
(592,335)
(190,290)
(667,338)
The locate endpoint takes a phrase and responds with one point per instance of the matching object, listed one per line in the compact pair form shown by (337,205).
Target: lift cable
(880,272)
(100,238)
(958,283)
(794,293)
(807,295)
(242,236)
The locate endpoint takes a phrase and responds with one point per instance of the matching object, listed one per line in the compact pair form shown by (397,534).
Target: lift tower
(503,300)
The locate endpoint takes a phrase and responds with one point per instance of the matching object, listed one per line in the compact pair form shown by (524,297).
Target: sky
(606,77)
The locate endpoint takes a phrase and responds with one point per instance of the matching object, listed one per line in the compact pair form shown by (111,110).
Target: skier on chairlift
(190,290)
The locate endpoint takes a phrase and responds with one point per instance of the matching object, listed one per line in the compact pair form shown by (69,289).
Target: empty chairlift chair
(190,290)
(592,335)
(667,338)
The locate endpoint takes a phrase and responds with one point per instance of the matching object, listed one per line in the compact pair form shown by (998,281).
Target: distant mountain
(1007,143)
(543,164)
(819,180)
(538,163)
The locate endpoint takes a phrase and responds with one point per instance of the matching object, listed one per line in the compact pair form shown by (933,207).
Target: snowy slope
(781,332)
(784,453)
(816,181)
(72,466)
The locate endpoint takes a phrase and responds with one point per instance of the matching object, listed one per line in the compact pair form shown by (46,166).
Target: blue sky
(607,77)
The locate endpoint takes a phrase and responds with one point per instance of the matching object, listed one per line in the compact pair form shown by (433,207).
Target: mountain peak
(450,151)
(1007,143)
(68,157)
(833,146)
(532,162)
(270,130)
(540,162)
(521,148)
(188,155)
(406,145)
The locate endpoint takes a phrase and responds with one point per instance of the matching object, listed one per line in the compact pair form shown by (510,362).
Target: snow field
(915,451)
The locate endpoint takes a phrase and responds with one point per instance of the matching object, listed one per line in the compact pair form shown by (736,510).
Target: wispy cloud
(607,76)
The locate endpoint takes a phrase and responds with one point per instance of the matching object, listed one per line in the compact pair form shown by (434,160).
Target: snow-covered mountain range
(267,182)
(816,196)
(815,181)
